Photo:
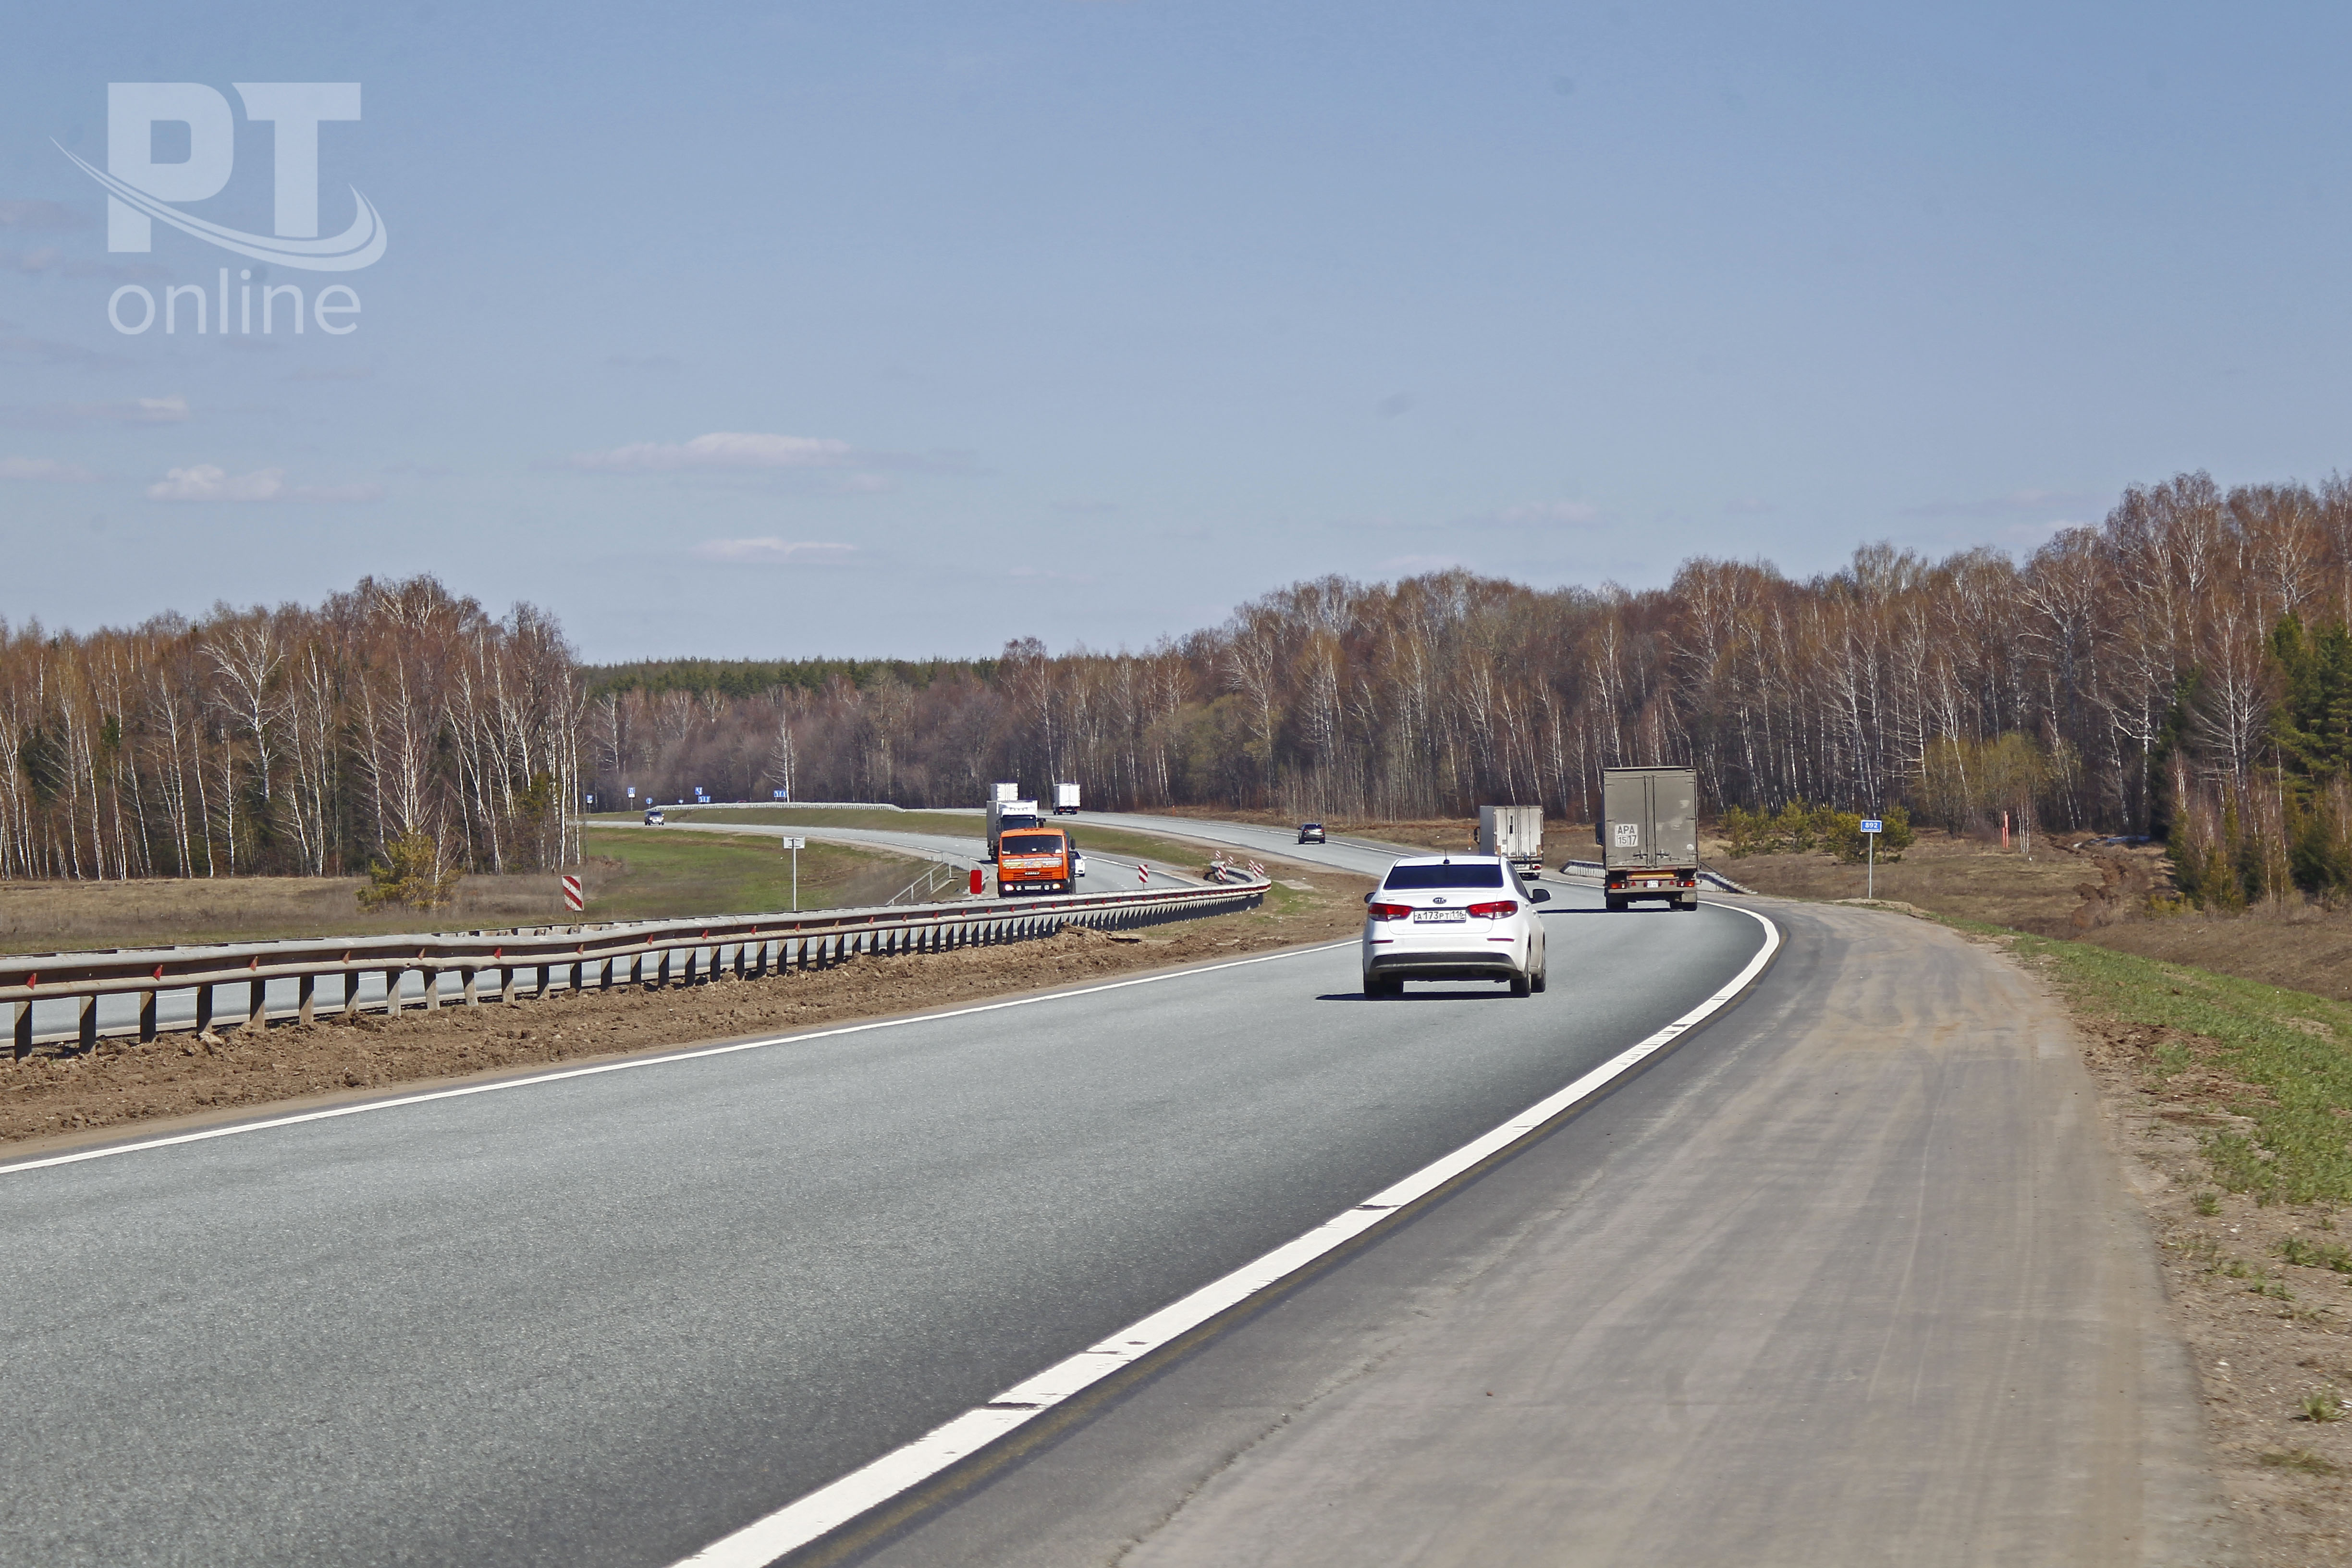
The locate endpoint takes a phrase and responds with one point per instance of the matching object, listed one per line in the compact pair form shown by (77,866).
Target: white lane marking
(797,1524)
(635,1063)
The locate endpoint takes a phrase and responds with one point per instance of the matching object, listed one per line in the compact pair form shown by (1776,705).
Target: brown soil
(2059,891)
(58,1098)
(2084,892)
(2298,947)
(2265,1334)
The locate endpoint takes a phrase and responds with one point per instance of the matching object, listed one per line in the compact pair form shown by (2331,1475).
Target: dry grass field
(627,876)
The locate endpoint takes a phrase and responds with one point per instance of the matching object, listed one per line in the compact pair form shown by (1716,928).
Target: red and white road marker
(1143,876)
(572,898)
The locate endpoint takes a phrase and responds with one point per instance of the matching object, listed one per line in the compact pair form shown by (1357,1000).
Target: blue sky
(897,328)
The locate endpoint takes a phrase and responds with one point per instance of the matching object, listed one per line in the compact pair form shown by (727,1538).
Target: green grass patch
(2301,1459)
(2288,1048)
(947,823)
(664,875)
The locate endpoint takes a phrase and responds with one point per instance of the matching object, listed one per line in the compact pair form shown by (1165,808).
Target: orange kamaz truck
(1032,860)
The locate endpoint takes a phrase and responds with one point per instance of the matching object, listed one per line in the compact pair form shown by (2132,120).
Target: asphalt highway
(1852,1278)
(609,1319)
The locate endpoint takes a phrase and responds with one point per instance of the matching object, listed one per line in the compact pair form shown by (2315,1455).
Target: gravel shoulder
(1853,1276)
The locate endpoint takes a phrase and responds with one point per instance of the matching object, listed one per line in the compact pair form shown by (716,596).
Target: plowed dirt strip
(54,1099)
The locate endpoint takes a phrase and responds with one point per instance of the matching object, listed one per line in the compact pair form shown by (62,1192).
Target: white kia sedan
(1453,917)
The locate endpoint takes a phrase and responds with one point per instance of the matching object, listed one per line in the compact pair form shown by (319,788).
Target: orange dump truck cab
(1032,860)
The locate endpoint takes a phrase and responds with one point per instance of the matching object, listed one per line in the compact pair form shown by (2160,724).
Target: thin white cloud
(43,469)
(719,449)
(770,551)
(204,482)
(207,482)
(171,410)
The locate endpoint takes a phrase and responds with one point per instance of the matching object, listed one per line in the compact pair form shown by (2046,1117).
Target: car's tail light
(1496,910)
(1389,911)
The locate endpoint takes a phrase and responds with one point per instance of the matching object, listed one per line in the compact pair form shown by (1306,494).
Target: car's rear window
(1472,875)
(1029,844)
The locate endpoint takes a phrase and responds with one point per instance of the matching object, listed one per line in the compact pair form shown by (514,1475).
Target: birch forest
(2182,668)
(293,742)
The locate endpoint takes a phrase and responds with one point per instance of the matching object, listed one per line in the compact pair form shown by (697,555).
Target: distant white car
(1453,917)
(653,817)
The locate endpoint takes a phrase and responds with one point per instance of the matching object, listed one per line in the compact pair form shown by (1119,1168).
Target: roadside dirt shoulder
(2269,1337)
(52,1099)
(2260,1294)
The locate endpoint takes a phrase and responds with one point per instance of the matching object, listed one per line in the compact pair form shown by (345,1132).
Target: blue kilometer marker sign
(1873,825)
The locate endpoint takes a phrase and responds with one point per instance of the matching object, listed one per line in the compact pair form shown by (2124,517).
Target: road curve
(1851,1278)
(608,1318)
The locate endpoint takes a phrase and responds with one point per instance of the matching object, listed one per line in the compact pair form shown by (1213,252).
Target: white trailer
(1065,800)
(1011,816)
(1513,832)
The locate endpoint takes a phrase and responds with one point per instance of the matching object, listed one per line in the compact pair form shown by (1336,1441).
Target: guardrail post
(146,1017)
(24,1029)
(465,981)
(204,1008)
(257,1004)
(578,970)
(350,993)
(544,969)
(693,962)
(89,1023)
(506,984)
(432,990)
(306,998)
(392,978)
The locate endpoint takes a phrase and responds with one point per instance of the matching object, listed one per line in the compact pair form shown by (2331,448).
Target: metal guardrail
(646,953)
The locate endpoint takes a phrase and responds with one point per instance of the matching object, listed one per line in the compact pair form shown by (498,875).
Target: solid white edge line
(797,1524)
(208,1133)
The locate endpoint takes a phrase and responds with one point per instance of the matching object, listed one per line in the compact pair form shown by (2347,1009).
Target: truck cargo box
(1649,836)
(1513,832)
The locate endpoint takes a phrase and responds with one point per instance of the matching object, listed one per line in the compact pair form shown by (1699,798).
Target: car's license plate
(1433,916)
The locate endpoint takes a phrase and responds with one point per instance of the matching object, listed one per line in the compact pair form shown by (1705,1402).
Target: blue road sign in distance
(1873,825)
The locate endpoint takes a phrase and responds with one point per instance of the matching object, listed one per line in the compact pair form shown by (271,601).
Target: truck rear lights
(1389,911)
(1496,910)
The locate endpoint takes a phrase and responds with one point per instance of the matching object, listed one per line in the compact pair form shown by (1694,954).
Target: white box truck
(1649,836)
(1065,800)
(1008,814)
(1513,832)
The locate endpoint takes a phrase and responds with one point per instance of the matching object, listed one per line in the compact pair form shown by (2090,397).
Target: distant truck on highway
(1003,813)
(1648,832)
(1037,859)
(1514,833)
(1065,800)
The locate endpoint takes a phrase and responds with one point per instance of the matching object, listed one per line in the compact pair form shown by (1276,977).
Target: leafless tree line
(2066,686)
(293,742)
